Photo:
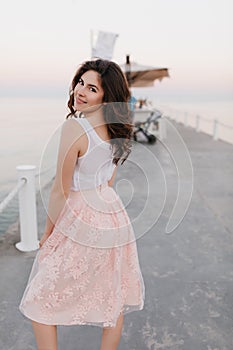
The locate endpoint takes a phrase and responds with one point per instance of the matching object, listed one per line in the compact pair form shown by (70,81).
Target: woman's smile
(80,101)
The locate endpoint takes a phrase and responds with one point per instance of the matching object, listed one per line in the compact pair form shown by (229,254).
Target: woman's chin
(79,108)
(84,109)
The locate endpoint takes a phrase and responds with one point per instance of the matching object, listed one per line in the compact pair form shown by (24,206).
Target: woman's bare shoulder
(72,125)
(72,133)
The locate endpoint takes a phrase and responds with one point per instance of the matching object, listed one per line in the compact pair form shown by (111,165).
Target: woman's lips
(79,101)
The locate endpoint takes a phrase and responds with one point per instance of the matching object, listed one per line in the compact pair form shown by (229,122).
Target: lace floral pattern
(72,282)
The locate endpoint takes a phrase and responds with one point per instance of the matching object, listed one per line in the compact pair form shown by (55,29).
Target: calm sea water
(29,134)
(30,130)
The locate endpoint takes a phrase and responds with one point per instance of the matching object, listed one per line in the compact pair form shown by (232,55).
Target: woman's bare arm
(111,181)
(67,157)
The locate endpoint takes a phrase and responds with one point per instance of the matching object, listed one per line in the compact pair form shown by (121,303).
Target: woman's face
(88,93)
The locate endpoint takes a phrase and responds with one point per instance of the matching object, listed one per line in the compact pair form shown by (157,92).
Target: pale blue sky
(42,42)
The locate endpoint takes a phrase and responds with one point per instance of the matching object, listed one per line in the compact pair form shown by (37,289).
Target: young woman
(87,270)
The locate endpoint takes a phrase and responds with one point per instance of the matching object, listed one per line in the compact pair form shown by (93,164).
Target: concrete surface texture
(188,273)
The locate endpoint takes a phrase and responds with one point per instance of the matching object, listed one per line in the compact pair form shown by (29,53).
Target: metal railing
(26,190)
(12,194)
(197,121)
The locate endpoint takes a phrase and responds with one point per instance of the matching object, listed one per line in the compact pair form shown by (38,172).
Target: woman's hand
(43,239)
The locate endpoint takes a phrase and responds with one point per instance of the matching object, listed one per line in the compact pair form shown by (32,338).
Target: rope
(202,118)
(226,126)
(16,189)
(218,122)
(12,194)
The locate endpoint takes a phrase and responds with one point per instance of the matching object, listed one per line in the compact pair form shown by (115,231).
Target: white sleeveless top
(95,167)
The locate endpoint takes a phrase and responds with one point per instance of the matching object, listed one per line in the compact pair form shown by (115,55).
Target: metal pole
(127,70)
(186,119)
(197,123)
(27,209)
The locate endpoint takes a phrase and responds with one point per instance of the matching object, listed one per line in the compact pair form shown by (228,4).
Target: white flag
(104,45)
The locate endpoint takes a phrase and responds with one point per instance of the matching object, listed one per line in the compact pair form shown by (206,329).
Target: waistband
(98,188)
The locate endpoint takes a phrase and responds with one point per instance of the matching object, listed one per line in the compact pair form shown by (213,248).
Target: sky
(43,42)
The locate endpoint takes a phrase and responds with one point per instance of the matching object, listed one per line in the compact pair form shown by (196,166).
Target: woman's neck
(96,117)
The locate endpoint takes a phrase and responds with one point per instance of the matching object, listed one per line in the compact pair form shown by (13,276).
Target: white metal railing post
(185,118)
(197,123)
(215,130)
(27,209)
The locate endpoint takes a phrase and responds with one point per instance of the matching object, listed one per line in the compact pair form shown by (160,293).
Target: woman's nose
(81,90)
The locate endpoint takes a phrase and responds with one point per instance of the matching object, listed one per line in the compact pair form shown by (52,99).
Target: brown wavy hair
(115,108)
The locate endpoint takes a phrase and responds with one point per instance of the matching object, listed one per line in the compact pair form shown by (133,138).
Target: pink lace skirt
(87,272)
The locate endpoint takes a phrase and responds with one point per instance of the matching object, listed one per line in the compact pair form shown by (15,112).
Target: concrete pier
(188,273)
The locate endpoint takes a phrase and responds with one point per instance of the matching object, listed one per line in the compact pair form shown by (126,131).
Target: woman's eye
(92,89)
(80,82)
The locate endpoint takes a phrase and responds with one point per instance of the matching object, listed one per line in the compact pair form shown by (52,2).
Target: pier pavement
(188,273)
